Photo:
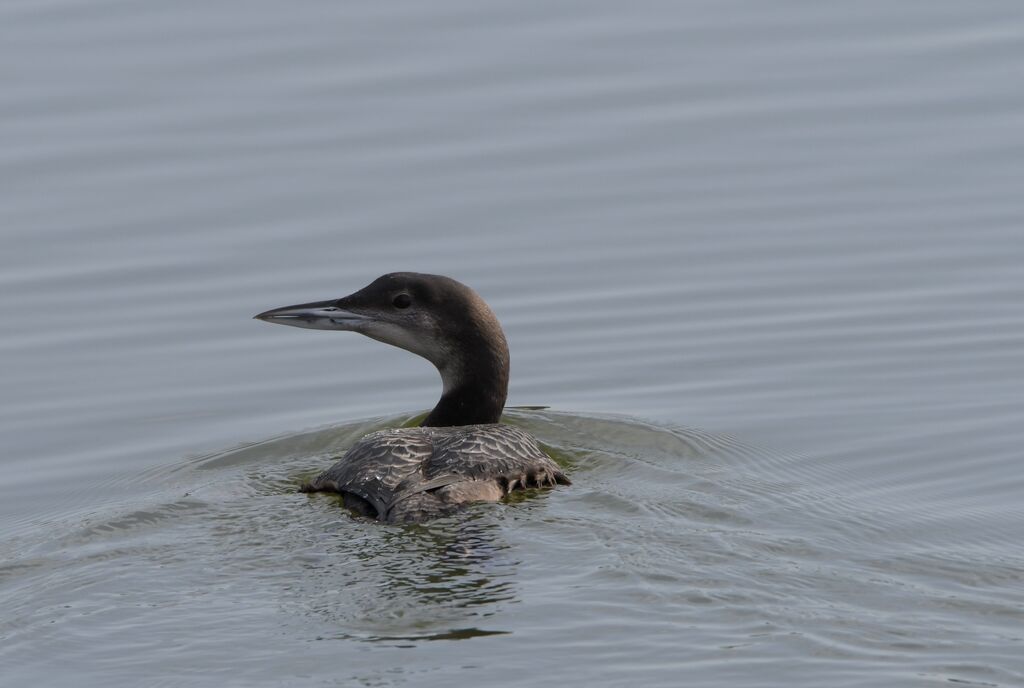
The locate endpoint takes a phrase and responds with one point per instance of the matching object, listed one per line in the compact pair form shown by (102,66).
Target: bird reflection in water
(435,581)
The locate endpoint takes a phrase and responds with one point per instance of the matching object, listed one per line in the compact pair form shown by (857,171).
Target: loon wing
(474,463)
(375,466)
(493,452)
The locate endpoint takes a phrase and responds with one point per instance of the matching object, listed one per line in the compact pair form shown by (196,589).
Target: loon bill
(461,453)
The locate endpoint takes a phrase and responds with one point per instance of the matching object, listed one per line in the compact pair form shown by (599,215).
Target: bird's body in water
(461,453)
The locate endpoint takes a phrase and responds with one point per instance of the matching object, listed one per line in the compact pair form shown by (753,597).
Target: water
(761,261)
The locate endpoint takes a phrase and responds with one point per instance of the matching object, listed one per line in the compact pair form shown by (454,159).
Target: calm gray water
(762,263)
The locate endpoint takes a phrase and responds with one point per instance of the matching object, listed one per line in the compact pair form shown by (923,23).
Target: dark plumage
(413,474)
(462,453)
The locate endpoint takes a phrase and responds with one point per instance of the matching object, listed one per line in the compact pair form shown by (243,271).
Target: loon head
(435,317)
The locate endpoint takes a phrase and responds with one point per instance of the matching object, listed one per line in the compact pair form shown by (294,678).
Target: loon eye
(402,301)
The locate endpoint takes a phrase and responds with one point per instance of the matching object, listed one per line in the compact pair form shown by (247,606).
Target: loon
(461,453)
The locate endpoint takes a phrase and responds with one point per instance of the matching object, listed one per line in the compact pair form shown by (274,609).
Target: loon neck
(474,389)
(466,406)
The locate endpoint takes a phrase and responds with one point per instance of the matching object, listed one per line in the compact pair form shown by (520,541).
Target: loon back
(413,474)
